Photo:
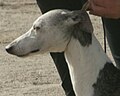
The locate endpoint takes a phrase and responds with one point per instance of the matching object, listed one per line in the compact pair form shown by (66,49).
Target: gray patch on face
(108,81)
(58,18)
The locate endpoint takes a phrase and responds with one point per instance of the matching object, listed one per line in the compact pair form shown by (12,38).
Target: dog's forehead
(52,17)
(57,13)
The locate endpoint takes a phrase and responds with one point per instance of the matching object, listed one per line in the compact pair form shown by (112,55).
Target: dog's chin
(29,54)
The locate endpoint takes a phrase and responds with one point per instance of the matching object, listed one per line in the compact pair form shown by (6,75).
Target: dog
(92,72)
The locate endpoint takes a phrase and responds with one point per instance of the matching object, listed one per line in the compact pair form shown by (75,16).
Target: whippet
(92,72)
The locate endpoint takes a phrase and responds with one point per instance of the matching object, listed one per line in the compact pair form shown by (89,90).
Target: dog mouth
(34,51)
(26,55)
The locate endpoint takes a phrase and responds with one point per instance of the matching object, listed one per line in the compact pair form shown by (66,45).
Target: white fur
(84,65)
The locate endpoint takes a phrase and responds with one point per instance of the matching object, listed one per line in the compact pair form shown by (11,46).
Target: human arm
(105,8)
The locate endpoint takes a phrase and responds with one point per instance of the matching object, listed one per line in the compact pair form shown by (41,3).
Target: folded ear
(83,19)
(86,24)
(83,28)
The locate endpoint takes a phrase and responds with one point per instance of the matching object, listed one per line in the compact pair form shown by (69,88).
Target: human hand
(105,8)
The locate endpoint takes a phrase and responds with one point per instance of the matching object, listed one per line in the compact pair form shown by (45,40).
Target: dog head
(51,32)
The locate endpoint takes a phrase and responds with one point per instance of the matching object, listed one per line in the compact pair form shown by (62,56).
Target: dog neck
(84,63)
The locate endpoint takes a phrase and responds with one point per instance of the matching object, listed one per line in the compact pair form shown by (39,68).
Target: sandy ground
(34,75)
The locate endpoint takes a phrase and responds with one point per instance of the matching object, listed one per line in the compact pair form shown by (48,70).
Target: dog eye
(37,28)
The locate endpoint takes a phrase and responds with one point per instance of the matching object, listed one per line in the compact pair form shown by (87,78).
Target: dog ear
(83,29)
(86,24)
(82,18)
(75,16)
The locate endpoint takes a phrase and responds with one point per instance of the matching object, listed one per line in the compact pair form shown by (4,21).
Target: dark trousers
(113,32)
(112,29)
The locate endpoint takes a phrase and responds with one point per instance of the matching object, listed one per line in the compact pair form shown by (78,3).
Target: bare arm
(105,8)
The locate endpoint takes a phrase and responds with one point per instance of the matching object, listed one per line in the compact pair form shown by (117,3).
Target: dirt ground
(34,75)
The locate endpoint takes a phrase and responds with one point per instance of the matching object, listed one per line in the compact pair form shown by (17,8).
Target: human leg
(63,70)
(46,5)
(112,28)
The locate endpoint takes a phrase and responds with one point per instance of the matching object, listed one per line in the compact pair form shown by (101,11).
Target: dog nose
(9,49)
